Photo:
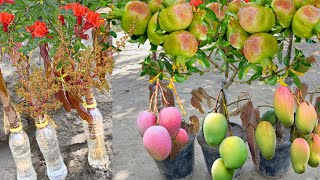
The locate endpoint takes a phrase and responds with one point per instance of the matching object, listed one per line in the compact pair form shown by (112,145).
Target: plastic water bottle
(97,153)
(20,149)
(48,143)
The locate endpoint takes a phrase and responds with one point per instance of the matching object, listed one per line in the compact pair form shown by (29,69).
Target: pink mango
(145,120)
(170,118)
(182,138)
(284,106)
(157,142)
(306,118)
(299,154)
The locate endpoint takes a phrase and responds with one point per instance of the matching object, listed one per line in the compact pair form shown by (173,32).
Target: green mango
(233,152)
(176,17)
(236,35)
(314,144)
(299,154)
(284,10)
(265,136)
(269,116)
(215,127)
(220,172)
(305,20)
(254,18)
(153,36)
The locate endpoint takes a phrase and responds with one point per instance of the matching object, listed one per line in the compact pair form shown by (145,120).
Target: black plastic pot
(211,153)
(182,166)
(278,166)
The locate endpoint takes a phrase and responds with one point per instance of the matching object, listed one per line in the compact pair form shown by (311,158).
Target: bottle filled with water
(20,149)
(97,153)
(48,143)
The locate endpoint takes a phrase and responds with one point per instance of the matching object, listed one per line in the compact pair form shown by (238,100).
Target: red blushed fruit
(215,8)
(157,142)
(145,120)
(182,138)
(170,118)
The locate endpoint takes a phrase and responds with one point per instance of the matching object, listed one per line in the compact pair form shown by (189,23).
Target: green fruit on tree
(316,30)
(235,6)
(168,3)
(233,152)
(155,37)
(305,20)
(180,45)
(198,27)
(299,3)
(134,17)
(215,128)
(156,5)
(254,18)
(237,36)
(263,2)
(220,172)
(260,49)
(284,10)
(219,11)
(314,145)
(284,105)
(269,116)
(306,118)
(266,139)
(299,154)
(176,17)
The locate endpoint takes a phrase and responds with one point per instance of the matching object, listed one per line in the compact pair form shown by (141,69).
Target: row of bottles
(48,143)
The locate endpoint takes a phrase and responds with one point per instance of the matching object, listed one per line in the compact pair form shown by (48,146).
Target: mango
(260,48)
(314,145)
(269,116)
(284,10)
(299,154)
(220,172)
(254,18)
(317,129)
(145,120)
(155,37)
(233,152)
(236,35)
(180,45)
(220,14)
(198,27)
(176,17)
(299,3)
(305,21)
(266,139)
(134,17)
(157,142)
(306,118)
(284,106)
(235,6)
(170,118)
(215,127)
(182,138)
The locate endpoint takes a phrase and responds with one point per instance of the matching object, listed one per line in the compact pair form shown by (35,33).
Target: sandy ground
(72,140)
(130,94)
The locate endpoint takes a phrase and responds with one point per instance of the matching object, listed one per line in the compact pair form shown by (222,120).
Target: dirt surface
(71,137)
(130,93)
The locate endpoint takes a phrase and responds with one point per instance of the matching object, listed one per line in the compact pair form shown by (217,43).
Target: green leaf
(179,78)
(272,80)
(286,60)
(203,59)
(255,76)
(280,53)
(242,69)
(113,34)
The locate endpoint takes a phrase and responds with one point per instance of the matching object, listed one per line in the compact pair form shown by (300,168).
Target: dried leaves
(301,93)
(198,96)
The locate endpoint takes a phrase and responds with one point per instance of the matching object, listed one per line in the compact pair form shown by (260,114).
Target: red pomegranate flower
(78,10)
(5,20)
(7,1)
(61,18)
(195,3)
(38,29)
(246,1)
(94,19)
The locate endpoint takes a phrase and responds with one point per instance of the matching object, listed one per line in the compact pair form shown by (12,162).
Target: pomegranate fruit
(153,36)
(284,10)
(198,27)
(237,36)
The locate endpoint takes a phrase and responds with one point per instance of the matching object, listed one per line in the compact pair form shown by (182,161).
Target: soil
(130,93)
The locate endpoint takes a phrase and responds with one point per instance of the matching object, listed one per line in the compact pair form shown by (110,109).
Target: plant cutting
(71,69)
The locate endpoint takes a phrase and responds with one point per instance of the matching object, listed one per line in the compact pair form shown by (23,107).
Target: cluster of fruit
(171,24)
(250,28)
(232,149)
(305,148)
(159,136)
